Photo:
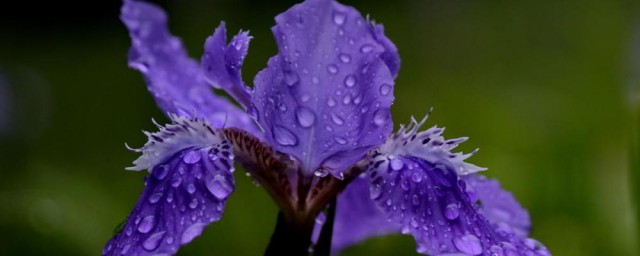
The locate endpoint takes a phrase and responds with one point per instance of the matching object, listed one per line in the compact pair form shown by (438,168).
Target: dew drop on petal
(350,81)
(416,177)
(153,241)
(345,58)
(469,244)
(380,116)
(155,197)
(305,116)
(219,186)
(192,157)
(336,119)
(340,140)
(321,172)
(147,224)
(338,18)
(332,69)
(396,164)
(194,203)
(191,188)
(331,102)
(161,171)
(385,89)
(291,78)
(191,232)
(366,48)
(283,136)
(451,211)
(375,191)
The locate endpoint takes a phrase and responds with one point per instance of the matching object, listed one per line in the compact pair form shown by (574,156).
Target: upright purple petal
(184,193)
(416,181)
(498,205)
(176,81)
(325,98)
(223,63)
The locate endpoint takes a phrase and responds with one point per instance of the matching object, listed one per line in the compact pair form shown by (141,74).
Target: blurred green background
(549,90)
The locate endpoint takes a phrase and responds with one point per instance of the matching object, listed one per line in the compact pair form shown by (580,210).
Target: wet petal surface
(176,81)
(182,195)
(325,98)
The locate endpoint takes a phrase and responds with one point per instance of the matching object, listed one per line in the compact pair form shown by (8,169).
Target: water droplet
(283,136)
(385,89)
(366,48)
(375,191)
(155,197)
(147,224)
(340,140)
(282,108)
(194,203)
(192,157)
(338,18)
(414,223)
(415,199)
(305,116)
(357,100)
(291,77)
(125,249)
(469,244)
(380,116)
(191,188)
(496,250)
(451,211)
(332,69)
(416,177)
(321,172)
(176,182)
(161,171)
(396,164)
(170,240)
(336,119)
(346,99)
(331,102)
(350,81)
(191,232)
(405,184)
(153,241)
(219,186)
(345,58)
(315,80)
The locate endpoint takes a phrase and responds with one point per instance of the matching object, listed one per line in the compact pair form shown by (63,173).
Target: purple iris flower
(315,131)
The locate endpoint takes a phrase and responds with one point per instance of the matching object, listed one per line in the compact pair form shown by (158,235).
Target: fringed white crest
(429,145)
(181,134)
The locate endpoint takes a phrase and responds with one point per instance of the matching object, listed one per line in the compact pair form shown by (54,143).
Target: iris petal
(498,205)
(176,81)
(325,97)
(222,63)
(430,202)
(184,193)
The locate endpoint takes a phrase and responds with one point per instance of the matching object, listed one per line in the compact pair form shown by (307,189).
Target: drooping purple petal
(416,181)
(430,201)
(183,194)
(223,63)
(325,98)
(176,81)
(498,205)
(357,217)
